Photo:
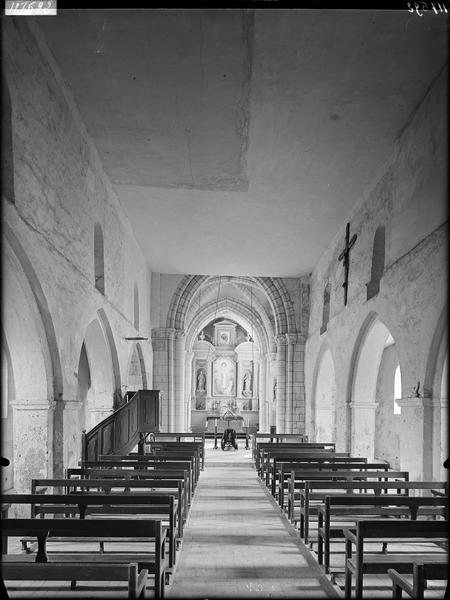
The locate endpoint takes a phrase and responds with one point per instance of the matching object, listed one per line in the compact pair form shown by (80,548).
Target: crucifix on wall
(345,257)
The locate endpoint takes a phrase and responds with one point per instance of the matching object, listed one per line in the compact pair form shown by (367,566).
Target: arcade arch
(325,399)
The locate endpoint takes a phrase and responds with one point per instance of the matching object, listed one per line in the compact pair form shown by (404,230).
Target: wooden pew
(88,504)
(63,566)
(151,463)
(110,487)
(161,479)
(352,507)
(389,531)
(172,446)
(297,480)
(281,470)
(199,438)
(262,447)
(421,574)
(279,454)
(276,438)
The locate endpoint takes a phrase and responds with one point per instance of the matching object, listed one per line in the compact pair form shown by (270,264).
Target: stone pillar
(281,384)
(444,446)
(160,345)
(363,428)
(416,437)
(189,388)
(291,340)
(72,432)
(33,441)
(171,377)
(262,395)
(179,403)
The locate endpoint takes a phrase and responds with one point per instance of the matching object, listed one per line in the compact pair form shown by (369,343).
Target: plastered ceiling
(238,141)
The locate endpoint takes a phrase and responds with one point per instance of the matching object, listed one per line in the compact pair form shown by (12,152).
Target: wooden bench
(161,480)
(65,566)
(198,438)
(150,464)
(297,479)
(165,446)
(389,531)
(262,447)
(95,505)
(282,470)
(113,488)
(269,456)
(356,506)
(421,574)
(276,438)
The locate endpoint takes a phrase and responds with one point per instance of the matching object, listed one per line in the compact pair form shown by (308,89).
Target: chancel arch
(325,398)
(374,338)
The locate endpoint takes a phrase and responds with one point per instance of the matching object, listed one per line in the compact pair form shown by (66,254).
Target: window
(136,306)
(99,269)
(326,308)
(378,257)
(397,390)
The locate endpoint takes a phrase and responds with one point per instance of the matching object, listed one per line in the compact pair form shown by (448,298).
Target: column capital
(180,334)
(72,404)
(281,339)
(416,401)
(291,338)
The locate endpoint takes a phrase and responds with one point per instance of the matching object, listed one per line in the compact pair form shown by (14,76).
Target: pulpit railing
(124,429)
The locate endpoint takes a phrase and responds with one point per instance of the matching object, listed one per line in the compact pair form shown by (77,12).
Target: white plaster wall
(61,191)
(409,198)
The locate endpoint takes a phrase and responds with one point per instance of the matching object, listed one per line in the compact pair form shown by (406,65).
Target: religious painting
(200,404)
(200,379)
(224,377)
(224,338)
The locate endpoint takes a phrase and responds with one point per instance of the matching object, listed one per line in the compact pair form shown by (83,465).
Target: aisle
(237,544)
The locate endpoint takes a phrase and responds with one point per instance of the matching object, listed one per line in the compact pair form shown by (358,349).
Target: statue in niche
(247,384)
(201,381)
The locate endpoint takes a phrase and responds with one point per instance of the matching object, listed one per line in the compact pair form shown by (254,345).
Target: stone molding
(291,338)
(421,402)
(281,340)
(34,405)
(371,405)
(72,404)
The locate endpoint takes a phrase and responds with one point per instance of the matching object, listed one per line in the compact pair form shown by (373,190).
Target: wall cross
(345,257)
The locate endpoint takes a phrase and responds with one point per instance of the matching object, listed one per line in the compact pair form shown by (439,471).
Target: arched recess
(108,333)
(99,259)
(136,306)
(84,390)
(324,394)
(136,373)
(378,258)
(364,372)
(101,370)
(436,390)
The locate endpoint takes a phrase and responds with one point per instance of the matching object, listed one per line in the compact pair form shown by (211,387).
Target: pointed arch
(323,405)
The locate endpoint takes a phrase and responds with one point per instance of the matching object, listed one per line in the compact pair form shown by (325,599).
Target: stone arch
(99,259)
(365,365)
(35,367)
(378,258)
(102,375)
(107,330)
(324,397)
(136,306)
(7,145)
(232,308)
(136,372)
(84,389)
(326,307)
(274,288)
(7,416)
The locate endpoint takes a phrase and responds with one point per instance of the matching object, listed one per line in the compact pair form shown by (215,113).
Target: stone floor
(237,543)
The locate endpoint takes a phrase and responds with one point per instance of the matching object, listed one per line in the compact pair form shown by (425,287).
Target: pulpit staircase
(125,428)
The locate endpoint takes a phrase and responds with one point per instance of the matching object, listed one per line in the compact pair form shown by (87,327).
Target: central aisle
(237,543)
